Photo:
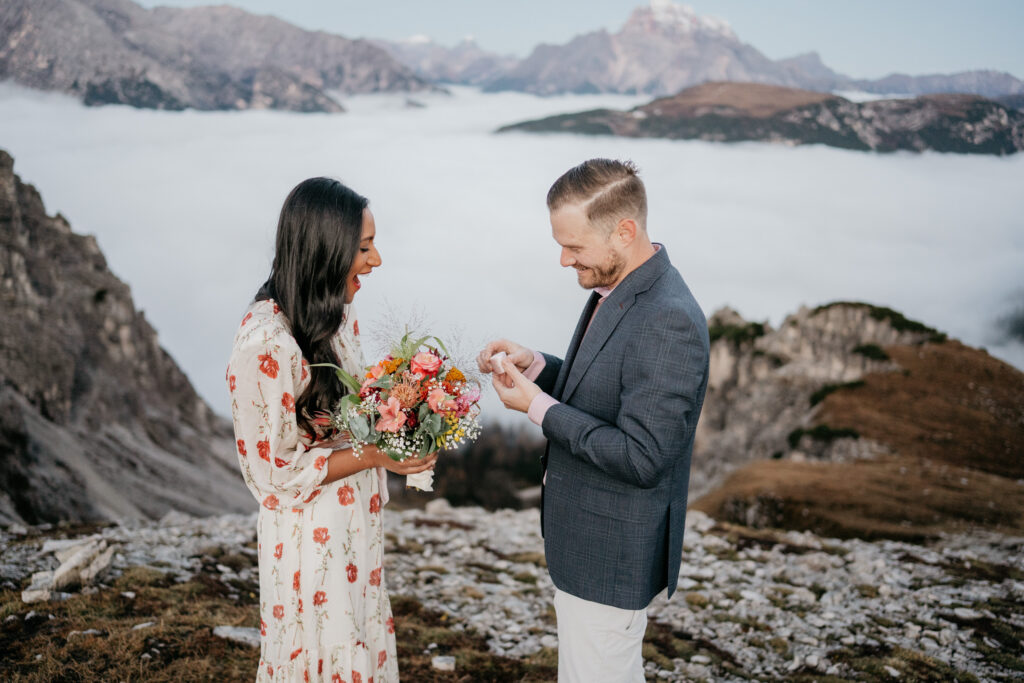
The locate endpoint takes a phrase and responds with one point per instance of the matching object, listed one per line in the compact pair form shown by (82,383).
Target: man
(619,413)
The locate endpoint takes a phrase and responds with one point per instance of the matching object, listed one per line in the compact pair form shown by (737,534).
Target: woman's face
(367,258)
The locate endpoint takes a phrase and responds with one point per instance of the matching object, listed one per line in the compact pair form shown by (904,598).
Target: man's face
(597,261)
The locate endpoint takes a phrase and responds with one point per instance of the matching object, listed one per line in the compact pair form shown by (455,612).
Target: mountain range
(665,47)
(116,52)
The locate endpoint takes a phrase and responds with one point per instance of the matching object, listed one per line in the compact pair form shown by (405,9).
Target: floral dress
(324,610)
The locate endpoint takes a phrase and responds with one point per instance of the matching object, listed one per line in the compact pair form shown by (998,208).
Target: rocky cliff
(733,112)
(96,419)
(116,52)
(853,421)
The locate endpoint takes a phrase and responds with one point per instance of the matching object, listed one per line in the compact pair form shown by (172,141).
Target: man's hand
(514,390)
(517,353)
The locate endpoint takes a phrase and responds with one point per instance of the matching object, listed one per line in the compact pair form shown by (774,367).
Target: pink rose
(439,401)
(466,400)
(426,364)
(391,416)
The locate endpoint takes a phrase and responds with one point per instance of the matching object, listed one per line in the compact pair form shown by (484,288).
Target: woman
(324,611)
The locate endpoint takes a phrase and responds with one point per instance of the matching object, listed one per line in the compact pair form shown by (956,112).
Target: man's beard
(602,276)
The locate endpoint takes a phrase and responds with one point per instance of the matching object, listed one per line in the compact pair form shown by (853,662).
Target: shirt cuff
(539,408)
(533,372)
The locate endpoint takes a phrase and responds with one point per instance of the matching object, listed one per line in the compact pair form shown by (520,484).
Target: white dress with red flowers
(324,611)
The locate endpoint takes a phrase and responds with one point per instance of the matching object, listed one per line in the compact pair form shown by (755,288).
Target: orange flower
(279,611)
(375,577)
(426,364)
(345,495)
(264,448)
(288,402)
(241,447)
(353,573)
(270,502)
(319,598)
(278,551)
(295,580)
(268,366)
(231,382)
(320,535)
(455,375)
(374,503)
(407,394)
(391,416)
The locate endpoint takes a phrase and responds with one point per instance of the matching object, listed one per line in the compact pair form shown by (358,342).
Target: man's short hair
(609,191)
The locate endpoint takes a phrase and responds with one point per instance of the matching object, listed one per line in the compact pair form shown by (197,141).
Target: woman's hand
(408,466)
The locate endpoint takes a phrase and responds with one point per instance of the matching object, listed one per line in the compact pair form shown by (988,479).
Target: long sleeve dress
(324,610)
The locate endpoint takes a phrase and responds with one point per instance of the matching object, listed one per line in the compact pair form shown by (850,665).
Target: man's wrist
(539,407)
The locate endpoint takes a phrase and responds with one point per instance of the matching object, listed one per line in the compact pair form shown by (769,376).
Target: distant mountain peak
(663,16)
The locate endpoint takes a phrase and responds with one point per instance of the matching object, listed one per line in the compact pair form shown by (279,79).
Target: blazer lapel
(605,322)
(607,319)
(574,345)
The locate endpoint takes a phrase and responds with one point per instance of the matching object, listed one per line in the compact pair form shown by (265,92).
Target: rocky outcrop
(734,112)
(116,52)
(852,421)
(97,421)
(762,383)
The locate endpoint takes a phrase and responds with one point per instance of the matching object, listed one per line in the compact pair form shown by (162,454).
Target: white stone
(145,624)
(892,672)
(443,663)
(239,634)
(700,659)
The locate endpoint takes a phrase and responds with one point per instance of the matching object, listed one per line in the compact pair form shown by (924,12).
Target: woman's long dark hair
(318,236)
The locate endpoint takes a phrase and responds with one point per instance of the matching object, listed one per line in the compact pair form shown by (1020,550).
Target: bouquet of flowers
(412,403)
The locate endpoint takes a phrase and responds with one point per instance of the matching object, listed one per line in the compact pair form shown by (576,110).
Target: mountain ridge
(737,112)
(97,421)
(117,52)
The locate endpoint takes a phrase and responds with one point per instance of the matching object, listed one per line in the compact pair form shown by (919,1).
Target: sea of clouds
(185,204)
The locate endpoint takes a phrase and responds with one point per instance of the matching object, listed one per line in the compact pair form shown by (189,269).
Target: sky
(864,39)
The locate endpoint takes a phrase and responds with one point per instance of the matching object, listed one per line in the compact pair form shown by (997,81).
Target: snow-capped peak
(666,14)
(418,39)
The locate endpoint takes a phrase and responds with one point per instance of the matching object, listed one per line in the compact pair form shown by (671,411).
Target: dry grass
(954,419)
(738,99)
(181,645)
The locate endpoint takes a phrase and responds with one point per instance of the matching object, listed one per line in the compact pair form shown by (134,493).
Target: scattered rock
(239,634)
(443,663)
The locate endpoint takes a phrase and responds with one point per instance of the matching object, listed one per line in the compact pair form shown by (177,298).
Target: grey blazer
(620,440)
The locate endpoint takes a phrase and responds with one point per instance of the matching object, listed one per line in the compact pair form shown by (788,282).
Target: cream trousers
(598,643)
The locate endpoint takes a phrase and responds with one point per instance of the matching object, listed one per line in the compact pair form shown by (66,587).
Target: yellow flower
(455,375)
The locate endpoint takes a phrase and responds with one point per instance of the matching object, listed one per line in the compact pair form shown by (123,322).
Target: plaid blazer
(620,440)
